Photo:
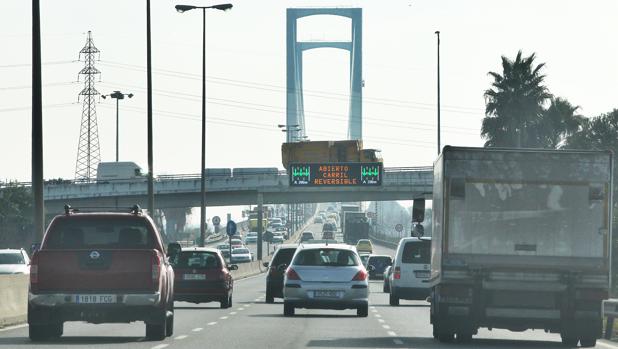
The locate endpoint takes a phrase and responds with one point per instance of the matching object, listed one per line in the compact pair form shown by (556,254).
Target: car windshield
(240,251)
(12,258)
(196,260)
(283,256)
(326,257)
(108,232)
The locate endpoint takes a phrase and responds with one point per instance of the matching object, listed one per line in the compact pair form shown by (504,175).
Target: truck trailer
(521,240)
(356,226)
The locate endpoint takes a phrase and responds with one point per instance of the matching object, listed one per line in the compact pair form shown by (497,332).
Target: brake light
(292,274)
(397,273)
(360,276)
(34,269)
(156,269)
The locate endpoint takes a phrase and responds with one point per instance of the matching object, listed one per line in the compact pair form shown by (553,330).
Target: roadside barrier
(13,299)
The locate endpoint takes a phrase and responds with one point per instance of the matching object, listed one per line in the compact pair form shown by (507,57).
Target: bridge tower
(295,49)
(88,151)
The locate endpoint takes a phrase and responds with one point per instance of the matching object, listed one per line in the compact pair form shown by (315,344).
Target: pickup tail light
(292,274)
(156,269)
(34,270)
(397,273)
(360,276)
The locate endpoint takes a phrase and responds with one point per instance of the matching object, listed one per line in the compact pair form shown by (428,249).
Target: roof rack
(135,209)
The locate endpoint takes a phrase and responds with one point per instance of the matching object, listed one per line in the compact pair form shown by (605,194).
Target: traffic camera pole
(260,215)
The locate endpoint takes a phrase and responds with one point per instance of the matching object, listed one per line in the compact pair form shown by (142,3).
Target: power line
(26,65)
(278,88)
(260,107)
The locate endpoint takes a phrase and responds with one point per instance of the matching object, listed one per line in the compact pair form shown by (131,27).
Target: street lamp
(181,9)
(118,96)
(438,46)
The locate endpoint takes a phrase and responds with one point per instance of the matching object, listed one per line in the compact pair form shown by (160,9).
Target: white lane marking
(606,345)
(378,315)
(398,341)
(223,317)
(391,333)
(197,329)
(386,327)
(212,323)
(241,309)
(8,328)
(373,310)
(181,337)
(372,307)
(160,346)
(381,320)
(247,305)
(233,313)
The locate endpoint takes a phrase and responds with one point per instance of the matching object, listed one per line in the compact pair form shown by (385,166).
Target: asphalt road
(251,323)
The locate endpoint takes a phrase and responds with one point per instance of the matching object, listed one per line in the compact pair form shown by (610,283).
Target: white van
(410,268)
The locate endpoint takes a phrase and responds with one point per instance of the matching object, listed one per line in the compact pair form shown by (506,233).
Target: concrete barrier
(13,299)
(250,269)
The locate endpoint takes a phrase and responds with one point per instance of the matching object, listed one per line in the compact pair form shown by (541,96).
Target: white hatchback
(326,276)
(14,261)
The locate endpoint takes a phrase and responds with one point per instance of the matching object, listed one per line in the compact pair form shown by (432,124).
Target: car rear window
(379,262)
(106,232)
(12,258)
(326,257)
(240,251)
(283,256)
(417,252)
(196,260)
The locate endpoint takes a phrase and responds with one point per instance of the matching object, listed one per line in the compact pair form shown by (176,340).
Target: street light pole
(181,9)
(37,126)
(438,46)
(117,95)
(149,112)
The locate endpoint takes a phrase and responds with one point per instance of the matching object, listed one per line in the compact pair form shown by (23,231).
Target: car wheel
(568,340)
(588,342)
(225,302)
(392,299)
(156,332)
(38,333)
(269,296)
(362,311)
(288,309)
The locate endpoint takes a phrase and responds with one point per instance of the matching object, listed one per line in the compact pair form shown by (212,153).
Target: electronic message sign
(336,174)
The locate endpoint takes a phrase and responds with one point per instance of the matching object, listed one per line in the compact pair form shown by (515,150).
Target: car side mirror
(173,248)
(233,267)
(34,248)
(265,264)
(282,267)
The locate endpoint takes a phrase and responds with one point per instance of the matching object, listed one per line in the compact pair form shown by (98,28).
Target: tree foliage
(16,214)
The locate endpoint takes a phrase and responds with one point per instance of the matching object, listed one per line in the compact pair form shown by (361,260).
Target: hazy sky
(246,75)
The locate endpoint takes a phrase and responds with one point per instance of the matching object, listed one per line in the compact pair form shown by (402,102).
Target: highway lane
(251,323)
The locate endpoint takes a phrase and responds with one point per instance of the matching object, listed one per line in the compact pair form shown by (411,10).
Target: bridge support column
(260,227)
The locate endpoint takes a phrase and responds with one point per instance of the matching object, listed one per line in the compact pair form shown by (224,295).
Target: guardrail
(610,310)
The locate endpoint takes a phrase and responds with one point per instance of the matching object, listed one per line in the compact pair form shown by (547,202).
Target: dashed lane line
(160,346)
(212,323)
(381,321)
(223,318)
(233,313)
(197,329)
(181,337)
(392,333)
(605,344)
(377,315)
(386,327)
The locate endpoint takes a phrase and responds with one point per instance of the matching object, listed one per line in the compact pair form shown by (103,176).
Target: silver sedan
(326,276)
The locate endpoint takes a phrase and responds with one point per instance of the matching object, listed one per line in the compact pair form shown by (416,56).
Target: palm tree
(559,122)
(514,103)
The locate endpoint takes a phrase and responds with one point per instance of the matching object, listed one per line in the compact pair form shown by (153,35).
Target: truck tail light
(397,273)
(156,269)
(360,276)
(292,274)
(34,270)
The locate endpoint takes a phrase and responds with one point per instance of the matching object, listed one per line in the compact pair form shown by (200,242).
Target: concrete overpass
(242,188)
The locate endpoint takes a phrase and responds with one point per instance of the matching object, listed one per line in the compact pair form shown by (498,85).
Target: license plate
(326,294)
(95,298)
(422,274)
(194,277)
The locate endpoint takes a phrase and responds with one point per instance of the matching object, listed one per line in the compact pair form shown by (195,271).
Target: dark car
(377,264)
(202,276)
(103,267)
(274,279)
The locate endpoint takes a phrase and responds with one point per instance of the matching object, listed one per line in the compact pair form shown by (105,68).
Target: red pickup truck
(101,268)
